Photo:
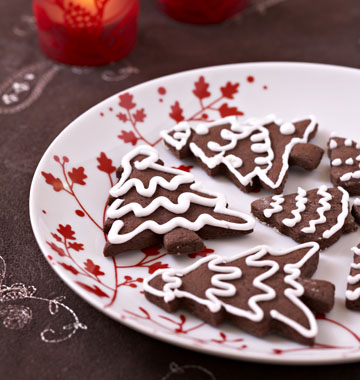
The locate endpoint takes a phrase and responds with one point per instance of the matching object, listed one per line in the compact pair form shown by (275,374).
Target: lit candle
(86,32)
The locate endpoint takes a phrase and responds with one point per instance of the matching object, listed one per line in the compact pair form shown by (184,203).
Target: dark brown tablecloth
(294,30)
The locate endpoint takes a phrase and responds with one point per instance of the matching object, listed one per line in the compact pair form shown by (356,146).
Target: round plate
(71,184)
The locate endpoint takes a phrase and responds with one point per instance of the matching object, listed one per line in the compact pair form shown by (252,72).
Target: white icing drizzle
(353,295)
(348,142)
(235,161)
(349,161)
(356,250)
(219,288)
(275,206)
(287,129)
(259,135)
(333,144)
(116,210)
(325,206)
(336,162)
(301,201)
(357,202)
(350,175)
(180,137)
(341,217)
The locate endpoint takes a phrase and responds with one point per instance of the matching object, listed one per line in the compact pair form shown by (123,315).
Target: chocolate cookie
(153,203)
(353,282)
(254,153)
(261,290)
(320,215)
(356,210)
(344,157)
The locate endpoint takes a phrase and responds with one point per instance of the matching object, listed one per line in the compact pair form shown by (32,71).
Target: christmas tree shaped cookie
(153,203)
(344,157)
(261,290)
(321,215)
(254,153)
(353,282)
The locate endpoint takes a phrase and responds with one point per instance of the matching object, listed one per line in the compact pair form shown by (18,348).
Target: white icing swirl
(353,295)
(341,217)
(301,201)
(348,176)
(179,139)
(217,201)
(219,288)
(325,206)
(275,206)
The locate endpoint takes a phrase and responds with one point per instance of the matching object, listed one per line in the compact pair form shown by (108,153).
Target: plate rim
(180,341)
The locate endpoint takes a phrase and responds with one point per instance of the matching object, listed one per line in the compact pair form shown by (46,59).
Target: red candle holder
(202,11)
(86,32)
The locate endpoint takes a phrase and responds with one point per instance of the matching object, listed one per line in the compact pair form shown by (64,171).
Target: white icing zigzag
(220,288)
(116,210)
(301,201)
(353,295)
(325,206)
(239,131)
(275,206)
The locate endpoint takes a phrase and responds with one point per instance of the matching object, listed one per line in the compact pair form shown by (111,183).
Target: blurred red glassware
(202,11)
(86,32)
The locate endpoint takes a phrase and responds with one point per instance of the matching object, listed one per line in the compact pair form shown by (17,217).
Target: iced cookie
(252,153)
(356,210)
(261,290)
(153,203)
(344,157)
(353,282)
(321,215)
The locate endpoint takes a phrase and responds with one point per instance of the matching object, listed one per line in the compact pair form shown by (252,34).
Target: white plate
(288,89)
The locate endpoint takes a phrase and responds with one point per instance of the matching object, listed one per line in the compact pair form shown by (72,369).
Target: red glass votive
(202,11)
(86,32)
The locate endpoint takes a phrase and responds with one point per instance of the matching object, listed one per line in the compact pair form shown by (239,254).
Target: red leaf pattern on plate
(201,88)
(122,117)
(229,90)
(56,237)
(70,268)
(139,115)
(57,249)
(158,265)
(126,101)
(66,231)
(128,137)
(206,251)
(176,112)
(91,267)
(56,183)
(76,246)
(152,251)
(185,168)
(93,289)
(105,164)
(77,175)
(225,110)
